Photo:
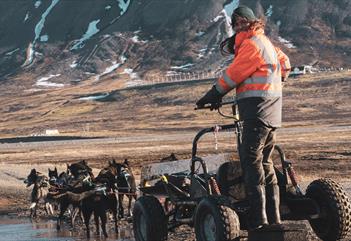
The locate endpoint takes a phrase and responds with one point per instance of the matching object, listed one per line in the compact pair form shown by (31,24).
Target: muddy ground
(316,135)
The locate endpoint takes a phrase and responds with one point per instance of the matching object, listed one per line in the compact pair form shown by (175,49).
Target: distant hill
(55,43)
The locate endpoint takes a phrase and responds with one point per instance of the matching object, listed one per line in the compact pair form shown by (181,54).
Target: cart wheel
(230,180)
(216,221)
(335,208)
(149,220)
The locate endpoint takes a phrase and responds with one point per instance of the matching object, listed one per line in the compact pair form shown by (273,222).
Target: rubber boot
(273,203)
(257,215)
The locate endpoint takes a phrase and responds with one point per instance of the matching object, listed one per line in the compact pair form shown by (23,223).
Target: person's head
(243,19)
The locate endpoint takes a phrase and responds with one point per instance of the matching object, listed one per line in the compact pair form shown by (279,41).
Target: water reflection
(24,230)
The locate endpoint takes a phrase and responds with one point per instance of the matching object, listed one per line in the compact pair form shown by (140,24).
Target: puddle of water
(24,230)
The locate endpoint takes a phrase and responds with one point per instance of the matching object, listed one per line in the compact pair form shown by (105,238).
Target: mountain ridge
(133,39)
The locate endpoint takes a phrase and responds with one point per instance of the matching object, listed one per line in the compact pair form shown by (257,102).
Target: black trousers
(258,142)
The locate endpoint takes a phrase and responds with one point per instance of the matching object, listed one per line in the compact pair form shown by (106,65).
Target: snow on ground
(40,25)
(113,67)
(26,17)
(37,30)
(287,43)
(91,31)
(11,52)
(269,11)
(185,66)
(44,38)
(229,8)
(123,5)
(94,97)
(134,78)
(44,81)
(123,59)
(74,64)
(29,55)
(37,4)
(227,12)
(211,51)
(38,54)
(199,34)
(171,73)
(135,39)
(217,18)
(201,53)
(131,74)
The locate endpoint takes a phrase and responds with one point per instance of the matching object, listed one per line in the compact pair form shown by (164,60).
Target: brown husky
(39,193)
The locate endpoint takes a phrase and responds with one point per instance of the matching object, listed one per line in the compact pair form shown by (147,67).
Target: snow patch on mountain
(113,67)
(135,39)
(94,97)
(74,64)
(229,8)
(44,81)
(131,73)
(39,27)
(37,4)
(287,43)
(227,11)
(201,53)
(11,52)
(217,18)
(123,5)
(26,17)
(91,31)
(199,34)
(269,11)
(44,38)
(37,30)
(182,67)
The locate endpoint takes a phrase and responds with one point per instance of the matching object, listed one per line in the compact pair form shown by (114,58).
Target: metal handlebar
(218,105)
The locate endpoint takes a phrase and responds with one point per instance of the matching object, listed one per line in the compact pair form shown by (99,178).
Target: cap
(244,12)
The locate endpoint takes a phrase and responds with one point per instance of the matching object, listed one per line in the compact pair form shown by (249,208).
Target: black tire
(335,206)
(149,220)
(222,178)
(230,180)
(227,182)
(216,221)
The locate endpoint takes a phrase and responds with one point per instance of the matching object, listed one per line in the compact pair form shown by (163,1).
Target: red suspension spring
(214,187)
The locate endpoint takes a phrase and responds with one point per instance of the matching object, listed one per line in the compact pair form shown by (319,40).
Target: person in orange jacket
(256,74)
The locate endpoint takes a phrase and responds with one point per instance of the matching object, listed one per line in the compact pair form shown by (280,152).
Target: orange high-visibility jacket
(257,68)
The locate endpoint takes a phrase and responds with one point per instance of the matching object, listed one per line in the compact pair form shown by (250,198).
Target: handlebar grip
(216,105)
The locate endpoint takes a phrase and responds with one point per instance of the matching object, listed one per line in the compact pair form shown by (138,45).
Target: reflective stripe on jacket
(257,67)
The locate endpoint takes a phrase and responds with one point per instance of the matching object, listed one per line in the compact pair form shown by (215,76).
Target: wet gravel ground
(15,225)
(16,229)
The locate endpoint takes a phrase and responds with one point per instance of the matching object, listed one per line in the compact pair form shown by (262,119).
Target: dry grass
(159,120)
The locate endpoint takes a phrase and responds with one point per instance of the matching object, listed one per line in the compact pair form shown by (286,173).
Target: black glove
(212,97)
